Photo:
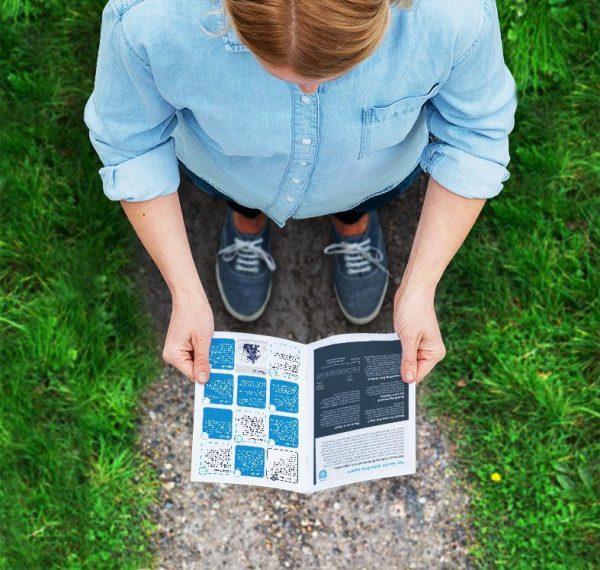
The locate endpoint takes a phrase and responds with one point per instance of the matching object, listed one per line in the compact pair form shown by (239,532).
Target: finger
(182,360)
(424,367)
(201,362)
(408,367)
(426,364)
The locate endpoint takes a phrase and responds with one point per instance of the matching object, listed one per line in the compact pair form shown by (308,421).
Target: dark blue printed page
(363,413)
(248,418)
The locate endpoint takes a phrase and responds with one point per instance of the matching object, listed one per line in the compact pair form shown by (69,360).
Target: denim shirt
(436,92)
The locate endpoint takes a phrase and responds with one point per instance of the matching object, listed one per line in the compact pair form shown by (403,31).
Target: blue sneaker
(360,271)
(244,270)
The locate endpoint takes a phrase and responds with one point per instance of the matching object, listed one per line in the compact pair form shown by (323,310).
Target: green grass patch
(520,310)
(76,348)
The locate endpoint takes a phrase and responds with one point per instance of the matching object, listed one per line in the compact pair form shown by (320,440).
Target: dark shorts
(370,204)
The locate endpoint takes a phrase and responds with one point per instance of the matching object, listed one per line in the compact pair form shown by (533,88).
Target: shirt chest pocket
(386,126)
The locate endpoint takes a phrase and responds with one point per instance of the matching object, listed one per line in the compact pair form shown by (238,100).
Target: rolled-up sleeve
(471,117)
(130,123)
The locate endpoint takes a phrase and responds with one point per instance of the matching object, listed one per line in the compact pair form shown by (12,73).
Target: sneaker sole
(368,318)
(232,311)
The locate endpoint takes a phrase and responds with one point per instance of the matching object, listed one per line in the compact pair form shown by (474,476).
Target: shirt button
(303,162)
(305,99)
(289,198)
(305,140)
(296,180)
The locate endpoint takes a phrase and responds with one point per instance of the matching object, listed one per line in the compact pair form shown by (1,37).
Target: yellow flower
(496,477)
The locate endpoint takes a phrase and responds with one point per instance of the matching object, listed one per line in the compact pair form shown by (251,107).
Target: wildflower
(496,477)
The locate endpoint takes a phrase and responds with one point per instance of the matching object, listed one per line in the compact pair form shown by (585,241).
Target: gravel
(407,522)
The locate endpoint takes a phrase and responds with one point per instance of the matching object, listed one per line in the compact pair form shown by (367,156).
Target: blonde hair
(316,39)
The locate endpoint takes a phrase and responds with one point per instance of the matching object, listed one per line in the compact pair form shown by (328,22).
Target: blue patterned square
(219,389)
(222,353)
(217,423)
(250,461)
(283,430)
(284,396)
(252,392)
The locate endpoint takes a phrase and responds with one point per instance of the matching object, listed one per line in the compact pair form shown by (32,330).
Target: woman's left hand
(416,324)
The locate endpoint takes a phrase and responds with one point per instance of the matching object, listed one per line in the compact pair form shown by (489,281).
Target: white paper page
(247,418)
(364,414)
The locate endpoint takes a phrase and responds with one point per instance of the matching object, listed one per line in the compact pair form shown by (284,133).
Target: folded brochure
(277,413)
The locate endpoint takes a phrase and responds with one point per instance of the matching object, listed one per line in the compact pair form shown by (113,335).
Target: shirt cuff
(463,173)
(147,176)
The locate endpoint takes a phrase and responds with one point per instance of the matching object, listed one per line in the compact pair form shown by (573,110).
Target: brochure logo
(322,475)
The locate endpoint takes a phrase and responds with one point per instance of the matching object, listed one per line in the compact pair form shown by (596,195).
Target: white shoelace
(247,254)
(358,256)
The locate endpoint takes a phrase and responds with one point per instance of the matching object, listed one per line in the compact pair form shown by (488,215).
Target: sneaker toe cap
(361,301)
(244,294)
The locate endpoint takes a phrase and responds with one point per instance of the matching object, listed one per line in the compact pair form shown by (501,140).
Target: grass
(518,306)
(75,349)
(520,310)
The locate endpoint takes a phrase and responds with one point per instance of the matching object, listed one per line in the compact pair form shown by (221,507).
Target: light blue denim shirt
(165,90)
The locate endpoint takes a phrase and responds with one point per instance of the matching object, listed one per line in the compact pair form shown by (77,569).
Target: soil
(408,522)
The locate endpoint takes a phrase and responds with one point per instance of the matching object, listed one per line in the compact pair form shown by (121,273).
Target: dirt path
(409,522)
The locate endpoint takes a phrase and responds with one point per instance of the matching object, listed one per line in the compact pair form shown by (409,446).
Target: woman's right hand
(159,225)
(189,336)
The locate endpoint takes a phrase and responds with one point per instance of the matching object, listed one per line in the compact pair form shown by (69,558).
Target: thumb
(201,362)
(409,358)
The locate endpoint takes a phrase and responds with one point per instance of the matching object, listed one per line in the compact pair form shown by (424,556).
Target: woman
(301,108)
